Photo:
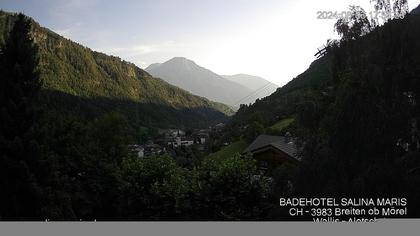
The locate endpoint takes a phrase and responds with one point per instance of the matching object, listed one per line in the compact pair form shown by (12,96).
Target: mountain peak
(198,80)
(186,74)
(181,62)
(179,59)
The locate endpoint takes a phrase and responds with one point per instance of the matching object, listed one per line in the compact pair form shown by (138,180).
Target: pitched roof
(278,142)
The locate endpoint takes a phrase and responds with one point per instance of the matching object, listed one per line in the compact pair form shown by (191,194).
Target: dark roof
(278,142)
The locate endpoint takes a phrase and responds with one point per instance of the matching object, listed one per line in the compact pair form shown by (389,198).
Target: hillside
(355,114)
(311,84)
(416,10)
(56,165)
(186,74)
(317,83)
(260,86)
(80,81)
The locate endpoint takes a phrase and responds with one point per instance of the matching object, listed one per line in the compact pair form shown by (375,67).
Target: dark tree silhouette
(391,8)
(353,26)
(20,84)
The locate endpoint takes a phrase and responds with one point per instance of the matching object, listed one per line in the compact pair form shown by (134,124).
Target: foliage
(353,26)
(20,82)
(153,188)
(230,188)
(313,84)
(392,9)
(359,126)
(372,110)
(219,189)
(253,130)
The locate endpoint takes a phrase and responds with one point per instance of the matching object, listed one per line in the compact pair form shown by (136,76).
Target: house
(272,151)
(136,149)
(176,133)
(181,141)
(201,138)
(146,150)
(219,127)
(153,149)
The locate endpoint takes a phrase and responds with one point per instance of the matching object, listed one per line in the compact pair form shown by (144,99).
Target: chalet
(272,151)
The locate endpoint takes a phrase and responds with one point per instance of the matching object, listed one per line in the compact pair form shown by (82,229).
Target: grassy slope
(280,125)
(230,150)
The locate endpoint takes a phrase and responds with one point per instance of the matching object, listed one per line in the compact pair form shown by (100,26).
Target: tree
(253,130)
(230,188)
(153,188)
(308,114)
(391,9)
(354,25)
(20,84)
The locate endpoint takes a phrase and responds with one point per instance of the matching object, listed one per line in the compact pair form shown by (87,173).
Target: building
(219,127)
(175,133)
(149,149)
(201,137)
(136,149)
(272,151)
(153,149)
(181,141)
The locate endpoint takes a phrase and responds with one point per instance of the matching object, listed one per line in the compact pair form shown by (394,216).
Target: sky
(274,39)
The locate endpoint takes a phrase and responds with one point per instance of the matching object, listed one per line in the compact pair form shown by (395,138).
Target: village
(170,139)
(268,150)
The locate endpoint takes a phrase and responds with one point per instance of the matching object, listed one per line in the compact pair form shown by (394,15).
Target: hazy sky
(273,39)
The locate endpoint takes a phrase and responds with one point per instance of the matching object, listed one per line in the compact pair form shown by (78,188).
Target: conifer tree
(19,86)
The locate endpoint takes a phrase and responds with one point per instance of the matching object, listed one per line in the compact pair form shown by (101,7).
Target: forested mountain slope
(312,83)
(356,116)
(83,82)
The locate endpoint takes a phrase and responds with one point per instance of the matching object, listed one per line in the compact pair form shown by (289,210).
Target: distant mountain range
(260,86)
(231,90)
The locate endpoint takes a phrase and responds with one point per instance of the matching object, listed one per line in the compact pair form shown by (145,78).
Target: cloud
(66,5)
(142,49)
(70,31)
(144,54)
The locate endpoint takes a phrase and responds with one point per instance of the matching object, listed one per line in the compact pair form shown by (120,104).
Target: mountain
(82,82)
(260,86)
(317,84)
(283,103)
(188,75)
(355,114)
